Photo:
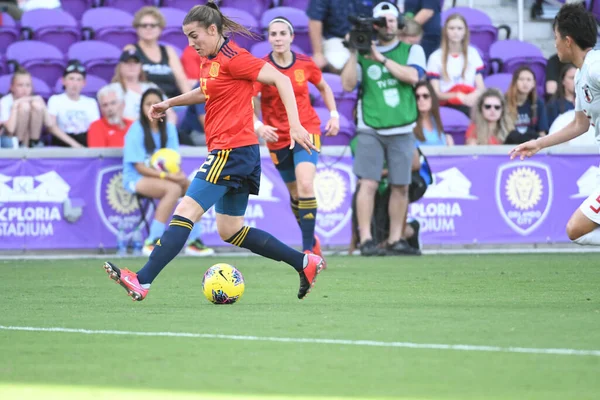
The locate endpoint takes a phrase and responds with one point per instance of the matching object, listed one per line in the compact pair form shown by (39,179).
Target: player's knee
(226,231)
(306,188)
(573,231)
(190,209)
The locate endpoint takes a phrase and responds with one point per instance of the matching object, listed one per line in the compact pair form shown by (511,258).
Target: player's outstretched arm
(159,110)
(333,125)
(575,128)
(270,76)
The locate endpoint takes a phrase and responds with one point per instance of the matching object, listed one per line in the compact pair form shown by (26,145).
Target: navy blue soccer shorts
(286,159)
(226,179)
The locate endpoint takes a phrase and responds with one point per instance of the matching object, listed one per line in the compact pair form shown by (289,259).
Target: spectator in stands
(131,80)
(526,109)
(22,113)
(412,33)
(110,130)
(190,60)
(191,129)
(429,129)
(490,123)
(329,25)
(428,13)
(71,113)
(387,114)
(143,138)
(553,69)
(160,62)
(11,8)
(455,68)
(564,98)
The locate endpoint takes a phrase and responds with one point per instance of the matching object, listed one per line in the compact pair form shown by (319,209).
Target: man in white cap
(386,115)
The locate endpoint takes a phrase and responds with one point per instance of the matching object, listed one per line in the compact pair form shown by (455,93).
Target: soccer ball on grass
(223,284)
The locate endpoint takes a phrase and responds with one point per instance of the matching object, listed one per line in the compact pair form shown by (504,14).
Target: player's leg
(399,156)
(368,166)
(167,193)
(230,211)
(305,171)
(582,227)
(283,160)
(195,246)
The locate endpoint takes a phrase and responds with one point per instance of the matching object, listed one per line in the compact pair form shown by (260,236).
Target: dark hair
(435,112)
(286,20)
(210,14)
(162,124)
(575,21)
(560,89)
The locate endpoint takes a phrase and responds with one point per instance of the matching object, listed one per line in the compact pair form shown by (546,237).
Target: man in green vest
(386,114)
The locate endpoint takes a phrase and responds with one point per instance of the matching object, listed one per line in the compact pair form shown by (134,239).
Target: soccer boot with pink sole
(308,275)
(127,279)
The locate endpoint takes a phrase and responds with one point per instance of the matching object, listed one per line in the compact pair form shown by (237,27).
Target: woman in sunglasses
(160,62)
(490,123)
(429,130)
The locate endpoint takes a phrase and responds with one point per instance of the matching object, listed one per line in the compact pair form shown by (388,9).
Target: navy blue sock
(294,204)
(307,211)
(264,244)
(166,249)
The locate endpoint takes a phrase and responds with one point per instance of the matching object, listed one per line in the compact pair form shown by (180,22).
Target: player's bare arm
(575,128)
(270,76)
(158,111)
(333,125)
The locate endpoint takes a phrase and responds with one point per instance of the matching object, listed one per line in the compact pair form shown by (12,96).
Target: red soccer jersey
(227,82)
(302,70)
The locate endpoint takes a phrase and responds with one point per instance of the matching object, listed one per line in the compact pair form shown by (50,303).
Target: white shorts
(336,54)
(591,206)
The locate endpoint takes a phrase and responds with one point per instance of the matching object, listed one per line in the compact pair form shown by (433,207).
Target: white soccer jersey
(587,90)
(454,68)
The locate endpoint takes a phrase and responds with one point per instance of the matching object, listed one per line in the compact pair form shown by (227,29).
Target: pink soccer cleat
(127,279)
(308,276)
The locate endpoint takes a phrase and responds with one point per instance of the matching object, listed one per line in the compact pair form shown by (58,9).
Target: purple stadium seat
(172,33)
(109,25)
(77,7)
(347,129)
(509,55)
(247,20)
(40,59)
(92,85)
(345,101)
(315,94)
(499,81)
(253,7)
(131,6)
(298,19)
(483,32)
(178,51)
(261,49)
(53,26)
(184,5)
(9,32)
(39,86)
(455,123)
(299,4)
(594,7)
(100,61)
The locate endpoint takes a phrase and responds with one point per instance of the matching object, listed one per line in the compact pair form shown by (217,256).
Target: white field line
(499,250)
(368,343)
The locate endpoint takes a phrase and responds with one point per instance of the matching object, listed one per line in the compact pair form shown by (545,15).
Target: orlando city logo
(524,195)
(334,186)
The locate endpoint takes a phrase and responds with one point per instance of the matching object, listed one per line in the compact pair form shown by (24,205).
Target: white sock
(145,285)
(589,239)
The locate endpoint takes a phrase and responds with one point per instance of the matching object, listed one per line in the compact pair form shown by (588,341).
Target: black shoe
(402,248)
(415,240)
(370,248)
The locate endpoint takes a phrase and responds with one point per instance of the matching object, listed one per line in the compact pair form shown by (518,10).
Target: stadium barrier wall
(74,199)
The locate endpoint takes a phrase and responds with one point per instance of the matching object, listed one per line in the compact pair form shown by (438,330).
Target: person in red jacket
(110,130)
(296,166)
(231,171)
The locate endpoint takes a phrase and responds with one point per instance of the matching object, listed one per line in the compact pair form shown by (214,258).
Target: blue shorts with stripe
(226,179)
(286,159)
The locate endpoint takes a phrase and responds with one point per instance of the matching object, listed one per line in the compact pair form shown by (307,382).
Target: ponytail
(210,14)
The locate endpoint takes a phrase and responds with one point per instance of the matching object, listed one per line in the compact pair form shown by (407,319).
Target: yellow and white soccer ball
(223,284)
(166,160)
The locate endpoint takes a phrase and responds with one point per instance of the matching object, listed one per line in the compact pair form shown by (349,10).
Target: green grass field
(536,301)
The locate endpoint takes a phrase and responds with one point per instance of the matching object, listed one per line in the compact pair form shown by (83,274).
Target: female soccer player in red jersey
(231,171)
(296,166)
